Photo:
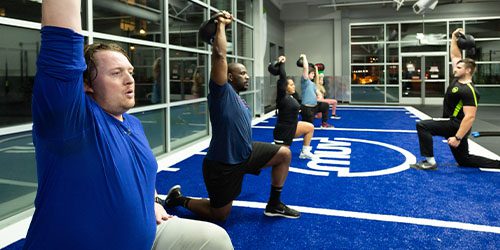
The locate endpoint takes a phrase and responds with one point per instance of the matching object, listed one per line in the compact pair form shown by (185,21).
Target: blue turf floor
(450,208)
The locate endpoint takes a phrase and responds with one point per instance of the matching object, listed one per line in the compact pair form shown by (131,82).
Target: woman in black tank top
(288,125)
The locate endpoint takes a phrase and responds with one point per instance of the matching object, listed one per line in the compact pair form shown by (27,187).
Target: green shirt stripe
(473,93)
(459,106)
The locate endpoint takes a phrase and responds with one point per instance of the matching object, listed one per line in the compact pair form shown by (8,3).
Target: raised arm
(281,61)
(305,67)
(455,53)
(316,74)
(62,13)
(219,50)
(282,81)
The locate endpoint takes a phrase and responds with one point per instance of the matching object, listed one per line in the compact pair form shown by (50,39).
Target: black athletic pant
(308,113)
(448,128)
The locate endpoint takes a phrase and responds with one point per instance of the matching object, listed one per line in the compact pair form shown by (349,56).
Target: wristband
(458,138)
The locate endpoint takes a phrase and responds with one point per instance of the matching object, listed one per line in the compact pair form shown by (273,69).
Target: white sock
(306,149)
(431,160)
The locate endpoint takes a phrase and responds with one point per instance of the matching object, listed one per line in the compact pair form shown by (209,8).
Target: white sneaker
(306,155)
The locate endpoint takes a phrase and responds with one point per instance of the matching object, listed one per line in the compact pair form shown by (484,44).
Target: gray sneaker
(281,210)
(424,165)
(174,196)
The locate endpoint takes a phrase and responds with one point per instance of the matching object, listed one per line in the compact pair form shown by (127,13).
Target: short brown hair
(89,52)
(469,63)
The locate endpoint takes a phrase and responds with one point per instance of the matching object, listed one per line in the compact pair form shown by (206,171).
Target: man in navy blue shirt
(96,171)
(231,153)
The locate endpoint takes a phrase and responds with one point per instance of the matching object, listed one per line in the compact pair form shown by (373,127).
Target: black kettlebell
(274,68)
(300,62)
(465,41)
(207,29)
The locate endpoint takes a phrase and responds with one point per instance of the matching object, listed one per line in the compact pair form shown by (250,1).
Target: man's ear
(230,77)
(87,88)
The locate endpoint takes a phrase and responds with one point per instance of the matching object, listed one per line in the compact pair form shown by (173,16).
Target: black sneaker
(173,197)
(281,210)
(424,165)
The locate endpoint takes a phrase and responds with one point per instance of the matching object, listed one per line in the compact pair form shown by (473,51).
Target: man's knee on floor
(420,126)
(464,161)
(220,214)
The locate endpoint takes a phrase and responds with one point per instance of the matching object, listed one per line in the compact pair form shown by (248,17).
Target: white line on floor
(355,129)
(381,217)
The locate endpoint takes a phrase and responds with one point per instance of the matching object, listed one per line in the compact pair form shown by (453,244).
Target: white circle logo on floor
(334,156)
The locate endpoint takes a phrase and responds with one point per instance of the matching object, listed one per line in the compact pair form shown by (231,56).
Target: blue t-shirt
(96,174)
(231,125)
(308,92)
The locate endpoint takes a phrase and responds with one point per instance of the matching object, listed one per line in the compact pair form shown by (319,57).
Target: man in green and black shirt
(459,111)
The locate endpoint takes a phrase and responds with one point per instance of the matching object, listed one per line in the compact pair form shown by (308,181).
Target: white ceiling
(346,4)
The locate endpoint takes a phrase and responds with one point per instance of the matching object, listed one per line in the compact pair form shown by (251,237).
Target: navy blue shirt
(96,174)
(231,125)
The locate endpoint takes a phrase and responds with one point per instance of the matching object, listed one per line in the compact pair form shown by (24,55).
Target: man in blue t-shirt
(231,153)
(96,171)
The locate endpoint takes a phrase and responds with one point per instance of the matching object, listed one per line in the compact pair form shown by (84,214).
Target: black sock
(274,198)
(185,201)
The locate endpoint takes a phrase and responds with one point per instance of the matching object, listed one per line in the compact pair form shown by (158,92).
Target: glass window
(18,53)
(188,75)
(488,73)
(409,31)
(367,53)
(367,33)
(392,74)
(25,10)
(422,47)
(245,11)
(185,19)
(435,28)
(367,74)
(141,20)
(245,41)
(392,94)
(483,28)
(487,51)
(188,123)
(18,170)
(222,5)
(371,94)
(154,128)
(423,34)
(489,95)
(392,53)
(30,10)
(392,32)
(149,86)
(455,25)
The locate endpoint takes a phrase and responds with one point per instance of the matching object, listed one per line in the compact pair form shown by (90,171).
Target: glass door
(423,78)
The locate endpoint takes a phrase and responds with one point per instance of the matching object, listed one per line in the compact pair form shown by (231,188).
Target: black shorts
(284,133)
(223,181)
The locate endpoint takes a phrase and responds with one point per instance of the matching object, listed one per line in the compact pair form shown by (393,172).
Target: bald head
(238,76)
(235,67)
